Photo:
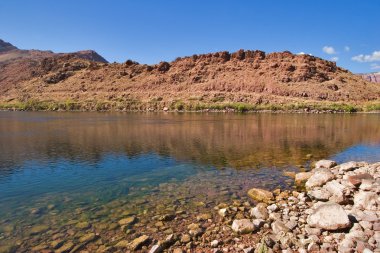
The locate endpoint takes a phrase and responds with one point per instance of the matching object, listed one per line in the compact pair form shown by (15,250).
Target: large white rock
(349,166)
(320,194)
(319,178)
(366,200)
(337,191)
(329,216)
(243,226)
(325,164)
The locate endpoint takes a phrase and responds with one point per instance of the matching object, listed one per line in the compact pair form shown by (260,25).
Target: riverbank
(180,106)
(337,211)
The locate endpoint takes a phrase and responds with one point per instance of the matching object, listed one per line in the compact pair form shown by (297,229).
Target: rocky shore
(335,209)
(337,212)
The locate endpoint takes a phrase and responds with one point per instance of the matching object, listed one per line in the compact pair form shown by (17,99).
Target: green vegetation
(179,105)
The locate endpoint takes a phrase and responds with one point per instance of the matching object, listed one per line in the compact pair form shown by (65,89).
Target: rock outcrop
(371,77)
(246,76)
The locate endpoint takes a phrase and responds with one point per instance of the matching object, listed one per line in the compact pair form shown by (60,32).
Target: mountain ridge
(9,52)
(219,79)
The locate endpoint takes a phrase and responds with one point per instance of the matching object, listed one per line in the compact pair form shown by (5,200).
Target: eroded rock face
(329,216)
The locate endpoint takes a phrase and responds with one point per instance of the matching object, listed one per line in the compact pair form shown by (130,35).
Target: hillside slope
(246,77)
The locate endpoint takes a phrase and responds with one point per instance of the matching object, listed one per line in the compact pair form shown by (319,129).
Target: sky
(150,31)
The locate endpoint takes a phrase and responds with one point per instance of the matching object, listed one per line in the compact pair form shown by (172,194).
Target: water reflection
(220,140)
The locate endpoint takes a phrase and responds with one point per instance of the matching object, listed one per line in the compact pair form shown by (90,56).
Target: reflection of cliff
(238,141)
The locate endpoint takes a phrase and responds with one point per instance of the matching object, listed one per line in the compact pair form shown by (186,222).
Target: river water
(64,175)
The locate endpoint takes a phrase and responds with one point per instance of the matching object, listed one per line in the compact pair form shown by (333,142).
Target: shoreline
(191,106)
(337,210)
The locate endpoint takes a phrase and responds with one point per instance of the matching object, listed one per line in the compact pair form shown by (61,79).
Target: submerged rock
(260,195)
(138,242)
(83,225)
(127,221)
(329,216)
(65,248)
(302,177)
(38,229)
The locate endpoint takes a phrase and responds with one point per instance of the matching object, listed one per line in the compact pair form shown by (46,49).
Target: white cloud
(328,50)
(334,58)
(302,53)
(375,56)
(347,48)
(375,66)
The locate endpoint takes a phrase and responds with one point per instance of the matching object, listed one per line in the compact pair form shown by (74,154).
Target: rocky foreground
(338,212)
(337,209)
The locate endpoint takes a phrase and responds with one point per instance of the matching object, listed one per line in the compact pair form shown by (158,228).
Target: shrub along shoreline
(180,106)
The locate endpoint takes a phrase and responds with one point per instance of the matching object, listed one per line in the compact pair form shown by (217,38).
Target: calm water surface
(58,170)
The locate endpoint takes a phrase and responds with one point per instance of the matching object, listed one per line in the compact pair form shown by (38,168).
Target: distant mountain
(371,77)
(8,52)
(213,80)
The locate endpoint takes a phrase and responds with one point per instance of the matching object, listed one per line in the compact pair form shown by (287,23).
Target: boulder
(243,226)
(278,227)
(366,200)
(348,166)
(320,194)
(260,195)
(260,211)
(356,180)
(337,191)
(327,164)
(319,178)
(329,216)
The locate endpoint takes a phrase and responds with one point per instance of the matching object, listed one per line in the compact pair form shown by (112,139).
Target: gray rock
(329,216)
(273,208)
(260,211)
(223,212)
(155,249)
(243,226)
(319,178)
(325,164)
(278,227)
(365,200)
(291,224)
(258,223)
(214,243)
(337,191)
(349,166)
(320,194)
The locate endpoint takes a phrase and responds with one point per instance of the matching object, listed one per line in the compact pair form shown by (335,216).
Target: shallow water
(61,169)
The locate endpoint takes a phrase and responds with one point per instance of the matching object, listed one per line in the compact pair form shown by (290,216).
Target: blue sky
(149,31)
